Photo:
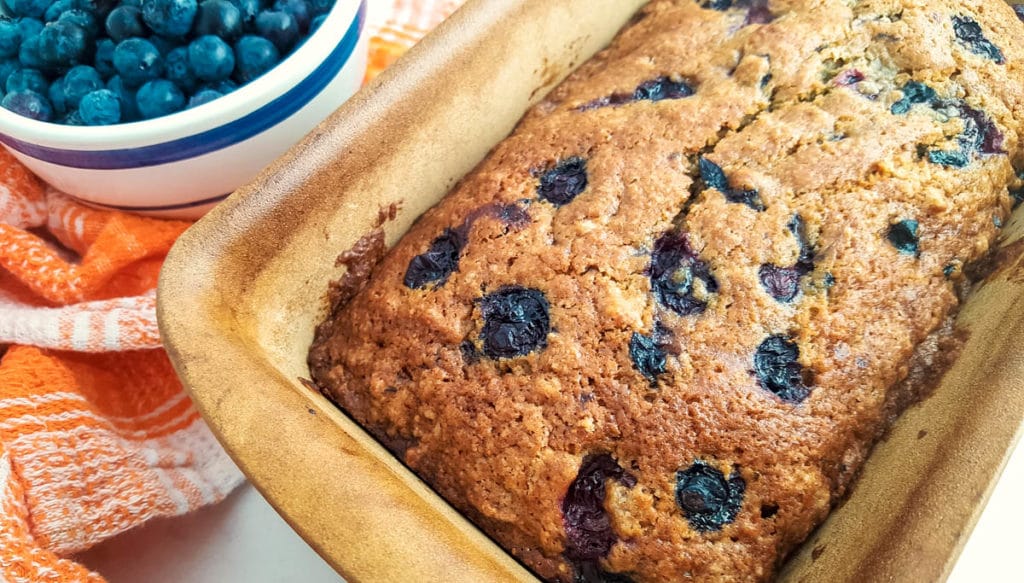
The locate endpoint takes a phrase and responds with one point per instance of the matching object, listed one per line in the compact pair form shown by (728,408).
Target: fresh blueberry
(777,367)
(647,356)
(279,28)
(516,322)
(314,24)
(29,104)
(171,18)
(707,498)
(1019,9)
(588,528)
(100,108)
(63,44)
(10,38)
(26,80)
(914,93)
(135,3)
(662,88)
(7,66)
(203,97)
(675,271)
(220,18)
(254,56)
(97,7)
(320,7)
(211,58)
(56,9)
(30,27)
(248,9)
(103,61)
(137,61)
(437,263)
(969,33)
(125,22)
(713,177)
(223,87)
(30,8)
(165,44)
(58,99)
(783,283)
(298,9)
(126,96)
(563,183)
(178,70)
(28,53)
(85,20)
(904,237)
(78,82)
(158,98)
(73,118)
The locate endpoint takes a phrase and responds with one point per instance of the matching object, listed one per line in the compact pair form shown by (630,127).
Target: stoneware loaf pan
(243,289)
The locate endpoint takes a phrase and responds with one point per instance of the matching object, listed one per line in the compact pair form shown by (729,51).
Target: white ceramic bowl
(182,164)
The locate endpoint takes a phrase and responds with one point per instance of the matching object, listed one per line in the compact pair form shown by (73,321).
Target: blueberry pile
(102,62)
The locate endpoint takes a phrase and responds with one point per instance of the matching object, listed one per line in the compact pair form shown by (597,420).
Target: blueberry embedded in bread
(778,369)
(438,262)
(905,237)
(970,35)
(707,498)
(516,322)
(681,281)
(564,182)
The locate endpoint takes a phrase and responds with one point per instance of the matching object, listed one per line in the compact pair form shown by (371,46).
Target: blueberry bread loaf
(653,336)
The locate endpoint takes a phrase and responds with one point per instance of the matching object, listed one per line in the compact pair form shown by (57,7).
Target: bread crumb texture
(655,333)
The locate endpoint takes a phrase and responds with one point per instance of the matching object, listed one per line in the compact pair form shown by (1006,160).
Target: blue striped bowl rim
(229,134)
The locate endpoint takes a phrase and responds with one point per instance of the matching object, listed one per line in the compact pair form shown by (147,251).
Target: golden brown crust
(806,111)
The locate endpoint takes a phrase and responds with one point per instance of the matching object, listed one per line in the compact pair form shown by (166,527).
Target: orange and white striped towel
(96,434)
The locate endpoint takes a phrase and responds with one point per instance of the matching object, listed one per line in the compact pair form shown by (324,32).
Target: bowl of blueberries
(165,107)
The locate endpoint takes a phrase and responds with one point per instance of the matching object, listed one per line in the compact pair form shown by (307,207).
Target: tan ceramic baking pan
(242,290)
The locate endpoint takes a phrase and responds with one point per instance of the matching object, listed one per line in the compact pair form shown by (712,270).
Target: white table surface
(244,540)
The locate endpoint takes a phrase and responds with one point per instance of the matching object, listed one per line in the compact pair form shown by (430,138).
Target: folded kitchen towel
(96,433)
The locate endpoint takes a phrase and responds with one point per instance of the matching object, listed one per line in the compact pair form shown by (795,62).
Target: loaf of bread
(654,335)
